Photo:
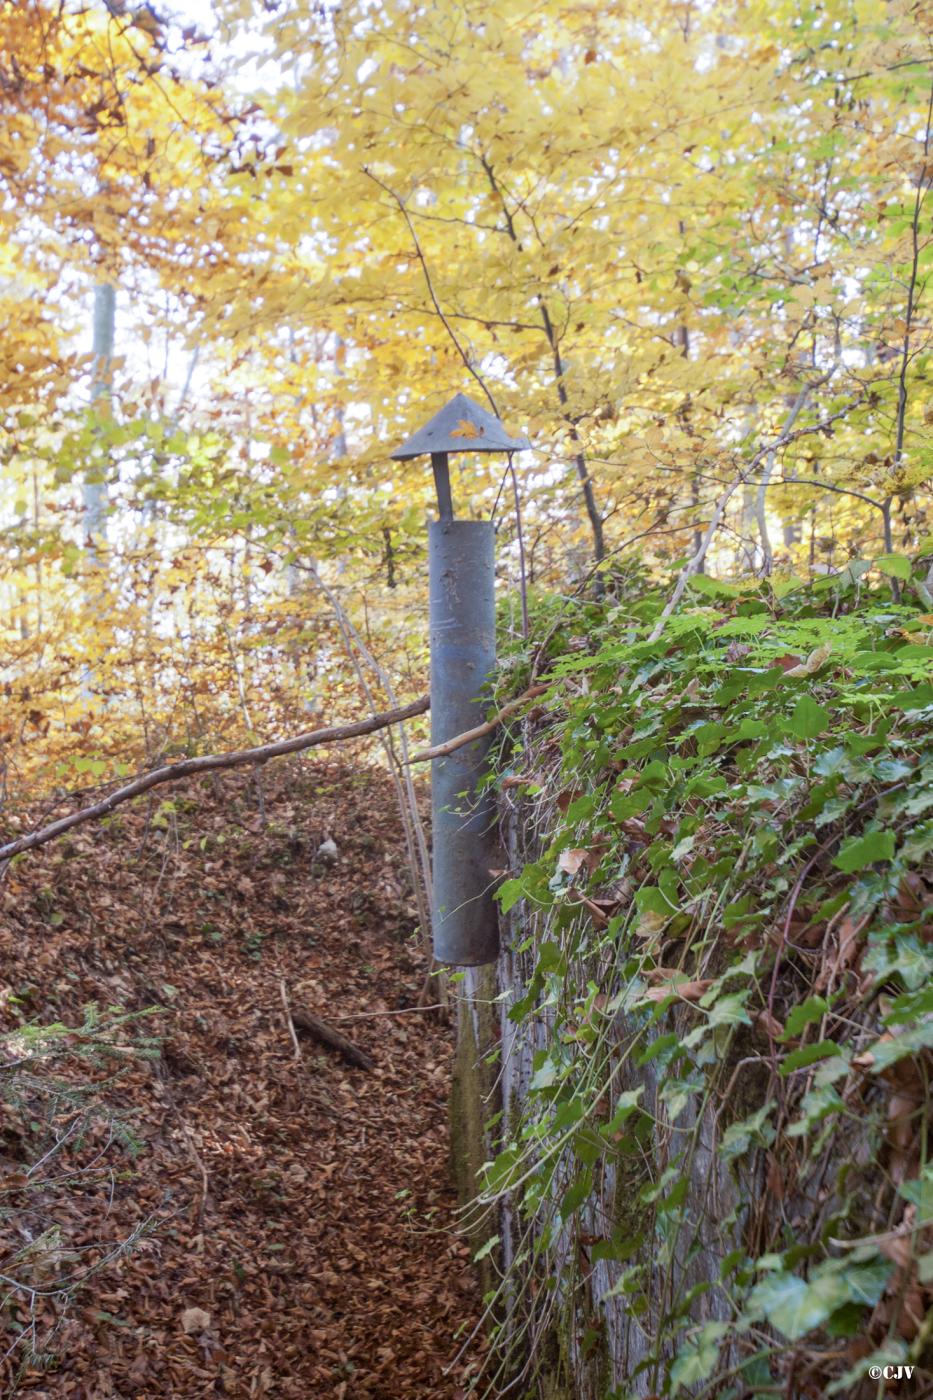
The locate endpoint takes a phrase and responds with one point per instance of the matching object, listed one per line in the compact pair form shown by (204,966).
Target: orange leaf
(571,861)
(466,429)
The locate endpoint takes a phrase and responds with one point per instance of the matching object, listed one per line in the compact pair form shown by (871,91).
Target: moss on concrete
(474,1100)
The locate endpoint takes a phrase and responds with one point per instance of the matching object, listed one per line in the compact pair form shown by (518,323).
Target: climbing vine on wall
(722,962)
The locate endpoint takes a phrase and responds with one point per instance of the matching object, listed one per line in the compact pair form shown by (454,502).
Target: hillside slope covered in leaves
(710,1168)
(192,1204)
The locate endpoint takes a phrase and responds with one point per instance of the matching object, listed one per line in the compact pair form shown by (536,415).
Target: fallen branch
(191,767)
(399,1011)
(283,993)
(458,741)
(304,1021)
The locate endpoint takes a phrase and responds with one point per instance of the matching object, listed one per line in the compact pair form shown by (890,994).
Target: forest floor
(300,1227)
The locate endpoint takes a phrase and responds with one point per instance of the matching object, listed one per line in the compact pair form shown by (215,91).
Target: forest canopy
(684,248)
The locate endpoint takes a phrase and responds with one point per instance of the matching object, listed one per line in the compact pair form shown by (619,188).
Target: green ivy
(744,952)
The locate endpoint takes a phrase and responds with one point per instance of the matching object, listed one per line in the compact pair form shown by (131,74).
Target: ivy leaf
(857,852)
(738,1137)
(784,1300)
(485,1250)
(697,1358)
(730,1010)
(626,805)
(576,1194)
(803,1015)
(919,843)
(905,954)
(650,899)
(509,894)
(546,1075)
(626,1104)
(920,1193)
(890,1048)
(808,1055)
(796,1307)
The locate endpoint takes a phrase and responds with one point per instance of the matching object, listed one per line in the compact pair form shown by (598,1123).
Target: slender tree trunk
(589,495)
(924,183)
(36,521)
(586,481)
(761,499)
(95,481)
(95,492)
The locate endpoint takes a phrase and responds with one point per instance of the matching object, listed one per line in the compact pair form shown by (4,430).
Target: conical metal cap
(461,426)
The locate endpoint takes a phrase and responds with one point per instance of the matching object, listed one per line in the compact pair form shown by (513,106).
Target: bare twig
(458,741)
(767,552)
(195,1156)
(400,1011)
(521,547)
(828,486)
(283,993)
(415,841)
(192,767)
(695,564)
(553,340)
(430,286)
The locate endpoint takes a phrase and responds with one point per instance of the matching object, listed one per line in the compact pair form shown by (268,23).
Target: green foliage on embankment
(725,920)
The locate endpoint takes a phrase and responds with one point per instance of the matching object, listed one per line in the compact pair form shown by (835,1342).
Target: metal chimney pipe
(461,571)
(461,581)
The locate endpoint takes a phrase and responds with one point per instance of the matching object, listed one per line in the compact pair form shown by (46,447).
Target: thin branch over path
(209,763)
(458,741)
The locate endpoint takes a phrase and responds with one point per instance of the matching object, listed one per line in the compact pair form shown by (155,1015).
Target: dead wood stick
(400,1011)
(458,741)
(191,767)
(283,993)
(304,1021)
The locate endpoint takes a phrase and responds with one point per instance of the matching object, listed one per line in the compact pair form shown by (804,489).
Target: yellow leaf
(466,429)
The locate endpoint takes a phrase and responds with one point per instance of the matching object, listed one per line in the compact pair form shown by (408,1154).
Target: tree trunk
(95,492)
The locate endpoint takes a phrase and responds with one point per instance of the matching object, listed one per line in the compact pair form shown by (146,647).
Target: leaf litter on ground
(303,1239)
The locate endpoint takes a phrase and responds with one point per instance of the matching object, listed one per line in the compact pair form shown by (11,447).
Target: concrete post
(463,654)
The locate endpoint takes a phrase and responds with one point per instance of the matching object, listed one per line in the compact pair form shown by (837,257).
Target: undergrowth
(65,1144)
(715,1175)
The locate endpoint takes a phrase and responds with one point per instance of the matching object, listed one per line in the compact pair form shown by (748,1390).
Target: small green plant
(253,944)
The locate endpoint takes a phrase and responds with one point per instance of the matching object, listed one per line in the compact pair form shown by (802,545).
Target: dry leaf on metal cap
(466,429)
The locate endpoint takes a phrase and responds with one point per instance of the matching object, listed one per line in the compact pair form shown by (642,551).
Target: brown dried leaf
(572,861)
(195,1320)
(844,955)
(769,1025)
(677,982)
(817,658)
(565,798)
